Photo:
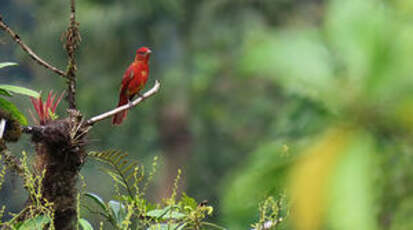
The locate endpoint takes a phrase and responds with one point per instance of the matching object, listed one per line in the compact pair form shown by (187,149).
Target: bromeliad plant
(59,143)
(45,110)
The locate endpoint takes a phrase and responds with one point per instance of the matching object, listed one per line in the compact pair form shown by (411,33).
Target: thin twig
(2,127)
(72,38)
(135,102)
(29,51)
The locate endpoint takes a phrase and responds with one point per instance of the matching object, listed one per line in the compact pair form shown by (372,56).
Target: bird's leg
(130,102)
(130,99)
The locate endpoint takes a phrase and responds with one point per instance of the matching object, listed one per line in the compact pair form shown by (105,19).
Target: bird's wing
(127,78)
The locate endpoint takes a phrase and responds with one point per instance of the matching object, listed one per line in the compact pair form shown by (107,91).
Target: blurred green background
(310,98)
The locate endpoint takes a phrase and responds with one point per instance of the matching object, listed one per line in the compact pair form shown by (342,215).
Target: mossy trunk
(60,152)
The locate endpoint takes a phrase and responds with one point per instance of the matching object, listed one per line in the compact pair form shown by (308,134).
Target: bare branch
(29,51)
(72,38)
(135,102)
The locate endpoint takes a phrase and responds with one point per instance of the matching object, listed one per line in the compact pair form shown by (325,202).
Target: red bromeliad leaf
(49,96)
(57,101)
(41,114)
(51,102)
(43,109)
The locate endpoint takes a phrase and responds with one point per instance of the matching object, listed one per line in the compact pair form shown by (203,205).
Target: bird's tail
(119,117)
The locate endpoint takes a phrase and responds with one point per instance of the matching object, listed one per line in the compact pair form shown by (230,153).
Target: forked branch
(135,102)
(27,49)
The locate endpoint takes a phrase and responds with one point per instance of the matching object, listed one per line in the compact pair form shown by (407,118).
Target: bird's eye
(141,52)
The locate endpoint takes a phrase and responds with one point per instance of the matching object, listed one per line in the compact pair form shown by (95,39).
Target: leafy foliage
(38,222)
(7,90)
(253,78)
(272,213)
(133,209)
(352,65)
(121,170)
(40,212)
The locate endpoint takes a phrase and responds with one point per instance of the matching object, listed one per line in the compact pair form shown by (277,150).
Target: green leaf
(99,201)
(4,64)
(20,90)
(297,59)
(357,31)
(85,224)
(187,201)
(171,226)
(37,222)
(166,213)
(5,93)
(12,109)
(213,225)
(115,176)
(156,213)
(182,227)
(353,189)
(118,211)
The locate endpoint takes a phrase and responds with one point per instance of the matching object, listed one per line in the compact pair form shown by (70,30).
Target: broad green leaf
(4,64)
(174,215)
(156,213)
(118,211)
(166,213)
(12,109)
(85,224)
(5,93)
(172,226)
(353,189)
(310,176)
(333,182)
(357,31)
(20,90)
(99,201)
(297,59)
(37,222)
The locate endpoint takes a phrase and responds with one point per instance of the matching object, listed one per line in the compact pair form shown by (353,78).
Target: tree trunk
(60,152)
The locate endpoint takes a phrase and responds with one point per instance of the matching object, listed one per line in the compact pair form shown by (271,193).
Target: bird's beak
(149,51)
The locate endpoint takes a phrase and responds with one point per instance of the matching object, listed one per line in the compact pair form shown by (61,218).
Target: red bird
(133,81)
